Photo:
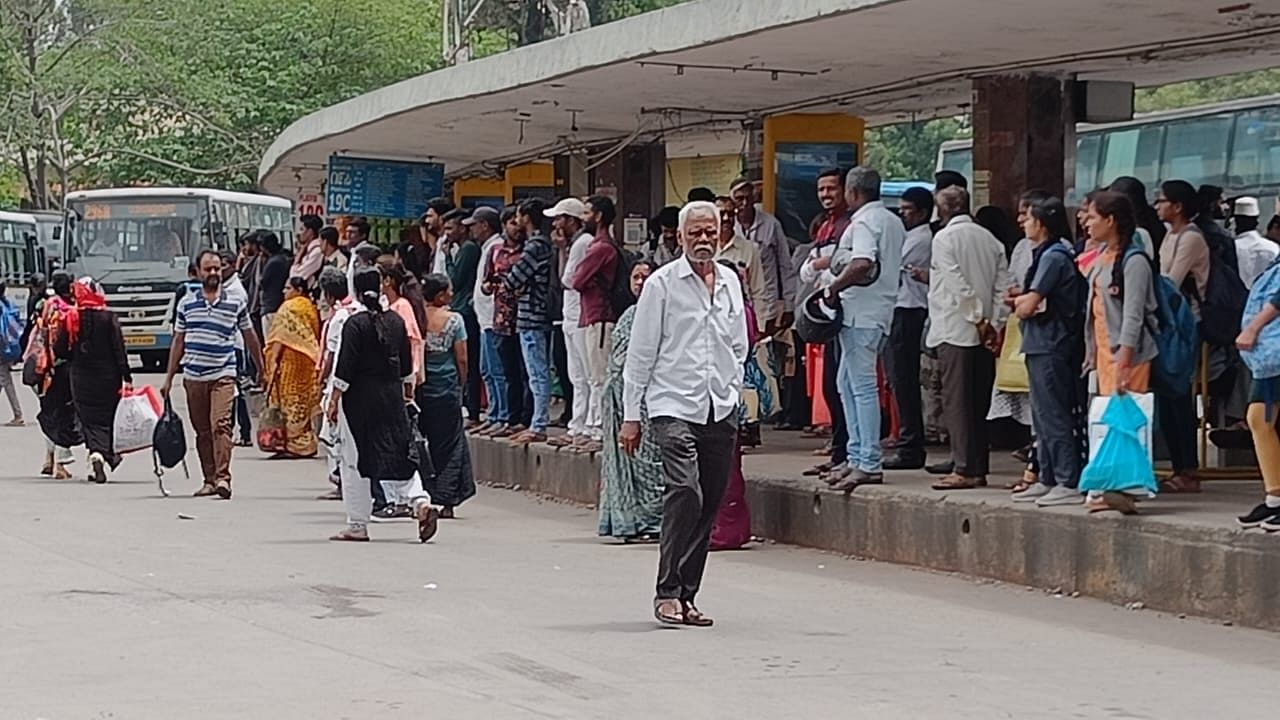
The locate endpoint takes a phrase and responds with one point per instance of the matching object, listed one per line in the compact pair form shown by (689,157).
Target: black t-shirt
(275,273)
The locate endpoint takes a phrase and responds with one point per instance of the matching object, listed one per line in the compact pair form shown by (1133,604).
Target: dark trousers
(474,380)
(797,410)
(1053,414)
(696,461)
(967,376)
(519,397)
(1176,415)
(904,350)
(560,360)
(240,413)
(835,408)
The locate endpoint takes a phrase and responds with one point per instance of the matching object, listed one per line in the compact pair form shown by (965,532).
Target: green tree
(909,151)
(1213,90)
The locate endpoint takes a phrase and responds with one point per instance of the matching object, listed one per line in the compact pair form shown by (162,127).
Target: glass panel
(1196,150)
(960,160)
(1255,155)
(1088,148)
(1131,151)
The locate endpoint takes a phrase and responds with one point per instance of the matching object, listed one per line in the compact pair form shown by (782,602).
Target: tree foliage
(502,24)
(1213,90)
(107,92)
(909,151)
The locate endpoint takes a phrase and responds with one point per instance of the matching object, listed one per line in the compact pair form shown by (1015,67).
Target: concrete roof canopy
(696,71)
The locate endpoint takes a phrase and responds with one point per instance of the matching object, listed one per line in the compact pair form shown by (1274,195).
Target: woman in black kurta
(57,409)
(99,369)
(373,378)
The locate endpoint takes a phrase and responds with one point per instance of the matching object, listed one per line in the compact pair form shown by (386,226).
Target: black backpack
(1224,297)
(168,444)
(620,297)
(1068,304)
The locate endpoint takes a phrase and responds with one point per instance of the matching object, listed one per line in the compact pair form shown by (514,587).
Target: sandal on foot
(959,482)
(1181,485)
(350,535)
(668,612)
(694,617)
(428,523)
(205,490)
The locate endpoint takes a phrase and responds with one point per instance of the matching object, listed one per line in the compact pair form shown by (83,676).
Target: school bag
(1264,359)
(1067,305)
(1177,336)
(1224,299)
(168,444)
(11,330)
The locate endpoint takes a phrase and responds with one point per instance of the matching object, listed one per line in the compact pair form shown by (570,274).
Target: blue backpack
(1176,333)
(11,330)
(1264,359)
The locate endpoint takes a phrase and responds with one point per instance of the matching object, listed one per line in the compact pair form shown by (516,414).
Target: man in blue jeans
(531,278)
(868,259)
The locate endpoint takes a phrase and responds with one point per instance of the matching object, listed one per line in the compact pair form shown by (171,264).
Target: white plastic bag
(135,420)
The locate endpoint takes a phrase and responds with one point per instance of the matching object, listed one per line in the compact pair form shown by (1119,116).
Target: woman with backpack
(57,416)
(1264,397)
(1119,312)
(1184,259)
(1049,309)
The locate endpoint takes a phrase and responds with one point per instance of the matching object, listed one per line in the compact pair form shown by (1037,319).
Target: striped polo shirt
(210,331)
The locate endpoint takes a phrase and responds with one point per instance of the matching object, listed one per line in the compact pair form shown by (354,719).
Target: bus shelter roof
(702,68)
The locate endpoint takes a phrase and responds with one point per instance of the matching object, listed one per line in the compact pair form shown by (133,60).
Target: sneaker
(97,469)
(1059,495)
(1271,524)
(1257,515)
(1031,494)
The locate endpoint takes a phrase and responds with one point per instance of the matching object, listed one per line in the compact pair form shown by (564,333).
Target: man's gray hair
(865,180)
(952,201)
(698,208)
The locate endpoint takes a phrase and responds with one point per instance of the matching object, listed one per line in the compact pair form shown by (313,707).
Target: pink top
(402,308)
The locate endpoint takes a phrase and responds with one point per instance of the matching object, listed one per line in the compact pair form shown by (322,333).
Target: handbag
(271,435)
(419,448)
(1011,366)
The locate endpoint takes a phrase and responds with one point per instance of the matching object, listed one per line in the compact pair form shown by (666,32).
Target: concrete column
(636,179)
(1023,138)
(571,175)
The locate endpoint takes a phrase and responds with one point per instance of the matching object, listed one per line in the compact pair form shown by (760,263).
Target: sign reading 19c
(381,188)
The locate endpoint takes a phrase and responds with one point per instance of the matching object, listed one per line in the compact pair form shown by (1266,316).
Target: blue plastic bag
(1122,463)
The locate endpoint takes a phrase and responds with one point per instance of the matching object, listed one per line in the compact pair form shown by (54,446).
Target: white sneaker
(1059,495)
(1031,494)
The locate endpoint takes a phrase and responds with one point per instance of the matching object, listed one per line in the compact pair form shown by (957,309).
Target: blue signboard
(381,188)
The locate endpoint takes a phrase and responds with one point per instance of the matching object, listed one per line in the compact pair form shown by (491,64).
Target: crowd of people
(887,328)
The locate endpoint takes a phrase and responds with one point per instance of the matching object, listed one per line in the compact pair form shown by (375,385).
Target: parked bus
(20,254)
(1235,145)
(139,242)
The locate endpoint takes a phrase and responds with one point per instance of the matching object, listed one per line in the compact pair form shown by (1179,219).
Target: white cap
(1247,207)
(573,207)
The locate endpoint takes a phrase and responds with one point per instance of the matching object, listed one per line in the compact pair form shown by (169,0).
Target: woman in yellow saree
(292,355)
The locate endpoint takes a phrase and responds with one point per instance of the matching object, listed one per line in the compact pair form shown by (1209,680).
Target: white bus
(139,242)
(1234,145)
(20,254)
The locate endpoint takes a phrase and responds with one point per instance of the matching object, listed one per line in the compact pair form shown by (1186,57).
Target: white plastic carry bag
(135,420)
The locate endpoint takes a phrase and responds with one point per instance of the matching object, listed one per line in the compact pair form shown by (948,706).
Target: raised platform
(1183,554)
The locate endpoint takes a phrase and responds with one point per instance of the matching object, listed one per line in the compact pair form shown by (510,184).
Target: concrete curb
(1211,572)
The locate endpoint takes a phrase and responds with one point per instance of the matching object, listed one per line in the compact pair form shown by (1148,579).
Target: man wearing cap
(594,278)
(463,268)
(1254,250)
(780,275)
(568,221)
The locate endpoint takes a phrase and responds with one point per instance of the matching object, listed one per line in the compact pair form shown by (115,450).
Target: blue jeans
(495,377)
(860,395)
(535,345)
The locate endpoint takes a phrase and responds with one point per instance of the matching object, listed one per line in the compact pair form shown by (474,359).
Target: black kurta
(99,366)
(57,416)
(374,360)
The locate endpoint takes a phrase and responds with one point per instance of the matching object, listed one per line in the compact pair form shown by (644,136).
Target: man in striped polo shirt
(204,342)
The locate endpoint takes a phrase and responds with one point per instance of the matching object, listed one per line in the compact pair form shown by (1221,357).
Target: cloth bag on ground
(135,421)
(1122,460)
(1011,366)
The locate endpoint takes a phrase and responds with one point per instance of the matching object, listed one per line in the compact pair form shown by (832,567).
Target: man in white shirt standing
(685,361)
(487,222)
(567,219)
(867,260)
(1255,251)
(968,278)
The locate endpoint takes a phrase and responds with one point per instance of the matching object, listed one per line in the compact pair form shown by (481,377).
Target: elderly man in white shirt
(867,257)
(968,278)
(1254,250)
(685,362)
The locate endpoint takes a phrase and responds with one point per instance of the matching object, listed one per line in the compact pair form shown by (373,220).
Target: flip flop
(668,618)
(958,482)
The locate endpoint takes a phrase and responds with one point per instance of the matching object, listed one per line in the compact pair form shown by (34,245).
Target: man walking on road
(685,364)
(204,348)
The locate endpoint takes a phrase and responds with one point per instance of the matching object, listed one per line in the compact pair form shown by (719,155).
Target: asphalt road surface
(115,603)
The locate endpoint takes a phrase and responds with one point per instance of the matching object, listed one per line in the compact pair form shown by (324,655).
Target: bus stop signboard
(382,188)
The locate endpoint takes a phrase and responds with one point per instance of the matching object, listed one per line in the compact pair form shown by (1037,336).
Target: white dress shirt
(917,252)
(480,302)
(309,266)
(968,277)
(874,233)
(1255,253)
(572,311)
(687,347)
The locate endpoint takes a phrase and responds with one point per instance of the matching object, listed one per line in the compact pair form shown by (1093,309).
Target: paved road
(114,607)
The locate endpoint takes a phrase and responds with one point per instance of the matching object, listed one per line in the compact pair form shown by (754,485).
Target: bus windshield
(136,234)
